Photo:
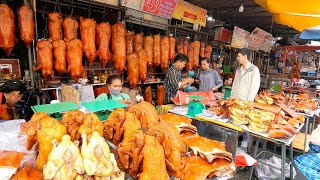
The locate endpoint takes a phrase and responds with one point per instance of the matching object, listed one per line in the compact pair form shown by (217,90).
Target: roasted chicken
(118,44)
(73,120)
(113,126)
(172,45)
(146,113)
(59,54)
(133,69)
(91,124)
(70,29)
(143,62)
(156,50)
(50,129)
(45,59)
(55,26)
(138,42)
(27,173)
(148,94)
(164,58)
(26,24)
(7,29)
(153,165)
(64,161)
(148,46)
(160,95)
(9,163)
(103,38)
(74,58)
(88,37)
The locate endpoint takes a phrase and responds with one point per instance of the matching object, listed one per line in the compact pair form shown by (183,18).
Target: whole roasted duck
(7,29)
(143,62)
(118,44)
(45,59)
(172,45)
(156,50)
(138,42)
(196,53)
(160,95)
(133,69)
(88,37)
(60,54)
(55,26)
(164,53)
(74,58)
(148,46)
(70,29)
(148,94)
(103,42)
(130,40)
(26,24)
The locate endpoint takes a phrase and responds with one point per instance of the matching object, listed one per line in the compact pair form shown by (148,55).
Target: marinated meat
(26,24)
(7,29)
(196,53)
(202,47)
(88,35)
(74,58)
(45,58)
(179,46)
(164,53)
(133,69)
(208,51)
(103,42)
(185,47)
(70,29)
(160,95)
(130,40)
(60,54)
(143,68)
(156,50)
(55,26)
(138,40)
(118,44)
(148,94)
(172,44)
(148,46)
(189,65)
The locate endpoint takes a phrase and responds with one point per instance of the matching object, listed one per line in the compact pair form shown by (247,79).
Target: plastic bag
(265,172)
(315,136)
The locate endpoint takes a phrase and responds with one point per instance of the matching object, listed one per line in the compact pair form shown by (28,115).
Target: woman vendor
(209,79)
(114,84)
(10,93)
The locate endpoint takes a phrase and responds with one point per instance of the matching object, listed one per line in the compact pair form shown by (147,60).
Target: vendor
(10,93)
(227,82)
(209,79)
(173,81)
(114,84)
(247,78)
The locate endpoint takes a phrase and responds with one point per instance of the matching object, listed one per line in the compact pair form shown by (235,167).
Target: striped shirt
(171,83)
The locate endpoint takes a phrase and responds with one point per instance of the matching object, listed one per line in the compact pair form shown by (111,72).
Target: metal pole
(283,161)
(34,51)
(291,159)
(30,67)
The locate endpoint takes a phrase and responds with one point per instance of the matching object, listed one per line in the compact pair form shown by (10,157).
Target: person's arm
(255,84)
(185,82)
(218,81)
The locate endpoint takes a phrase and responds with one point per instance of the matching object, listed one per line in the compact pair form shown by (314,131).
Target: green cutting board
(55,108)
(96,106)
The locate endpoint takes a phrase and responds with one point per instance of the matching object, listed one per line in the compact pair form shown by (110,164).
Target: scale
(195,106)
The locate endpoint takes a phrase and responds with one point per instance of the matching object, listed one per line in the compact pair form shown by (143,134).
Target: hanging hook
(89,12)
(45,30)
(104,14)
(71,5)
(4,1)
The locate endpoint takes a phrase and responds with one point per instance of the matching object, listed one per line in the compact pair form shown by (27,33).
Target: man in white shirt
(247,78)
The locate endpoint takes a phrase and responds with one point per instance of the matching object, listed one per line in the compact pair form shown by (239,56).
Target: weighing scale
(195,106)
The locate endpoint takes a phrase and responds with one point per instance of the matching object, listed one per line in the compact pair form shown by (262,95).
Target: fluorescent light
(241,8)
(188,37)
(209,18)
(171,34)
(278,38)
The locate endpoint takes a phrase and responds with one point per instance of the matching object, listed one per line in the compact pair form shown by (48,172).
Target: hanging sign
(240,38)
(268,44)
(190,13)
(257,38)
(162,8)
(223,35)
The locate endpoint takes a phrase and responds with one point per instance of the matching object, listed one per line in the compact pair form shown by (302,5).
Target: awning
(298,22)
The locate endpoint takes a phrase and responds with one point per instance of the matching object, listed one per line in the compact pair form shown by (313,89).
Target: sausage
(88,35)
(143,68)
(164,53)
(59,54)
(74,58)
(185,47)
(118,44)
(172,44)
(26,24)
(208,51)
(138,41)
(148,46)
(202,47)
(133,69)
(156,50)
(160,95)
(196,53)
(130,40)
(189,65)
(103,42)
(70,29)
(7,29)
(55,26)
(44,55)
(148,94)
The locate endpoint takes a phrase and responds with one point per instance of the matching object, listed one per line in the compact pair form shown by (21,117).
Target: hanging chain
(45,30)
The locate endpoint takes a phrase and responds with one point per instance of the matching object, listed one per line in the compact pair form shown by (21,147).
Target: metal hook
(71,4)
(104,14)
(89,12)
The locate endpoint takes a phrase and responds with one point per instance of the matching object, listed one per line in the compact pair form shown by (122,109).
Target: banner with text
(240,38)
(190,13)
(258,38)
(162,8)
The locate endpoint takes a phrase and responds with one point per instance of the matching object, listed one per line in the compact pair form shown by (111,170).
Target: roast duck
(148,46)
(44,55)
(133,69)
(70,29)
(172,46)
(103,42)
(202,47)
(208,51)
(179,46)
(130,40)
(138,40)
(196,53)
(189,65)
(185,47)
(7,29)
(74,58)
(55,26)
(148,94)
(59,54)
(164,53)
(88,36)
(143,68)
(118,44)
(160,95)
(156,50)
(26,24)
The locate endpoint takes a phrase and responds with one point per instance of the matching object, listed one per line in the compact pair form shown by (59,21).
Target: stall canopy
(295,13)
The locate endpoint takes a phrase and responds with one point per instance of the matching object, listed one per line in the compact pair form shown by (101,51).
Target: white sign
(240,38)
(258,38)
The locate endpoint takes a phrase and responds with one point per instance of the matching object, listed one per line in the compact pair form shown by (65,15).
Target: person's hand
(214,88)
(190,80)
(197,81)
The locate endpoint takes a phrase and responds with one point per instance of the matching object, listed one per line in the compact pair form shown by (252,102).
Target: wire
(45,30)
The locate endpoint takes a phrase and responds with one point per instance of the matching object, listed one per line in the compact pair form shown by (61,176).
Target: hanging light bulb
(241,8)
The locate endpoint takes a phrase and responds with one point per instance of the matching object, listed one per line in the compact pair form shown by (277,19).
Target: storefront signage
(162,8)
(223,35)
(190,13)
(268,44)
(258,38)
(240,38)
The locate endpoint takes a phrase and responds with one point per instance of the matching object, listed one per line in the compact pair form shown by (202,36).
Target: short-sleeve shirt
(171,83)
(105,96)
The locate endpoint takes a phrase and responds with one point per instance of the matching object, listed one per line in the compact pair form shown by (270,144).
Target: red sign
(163,8)
(226,35)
